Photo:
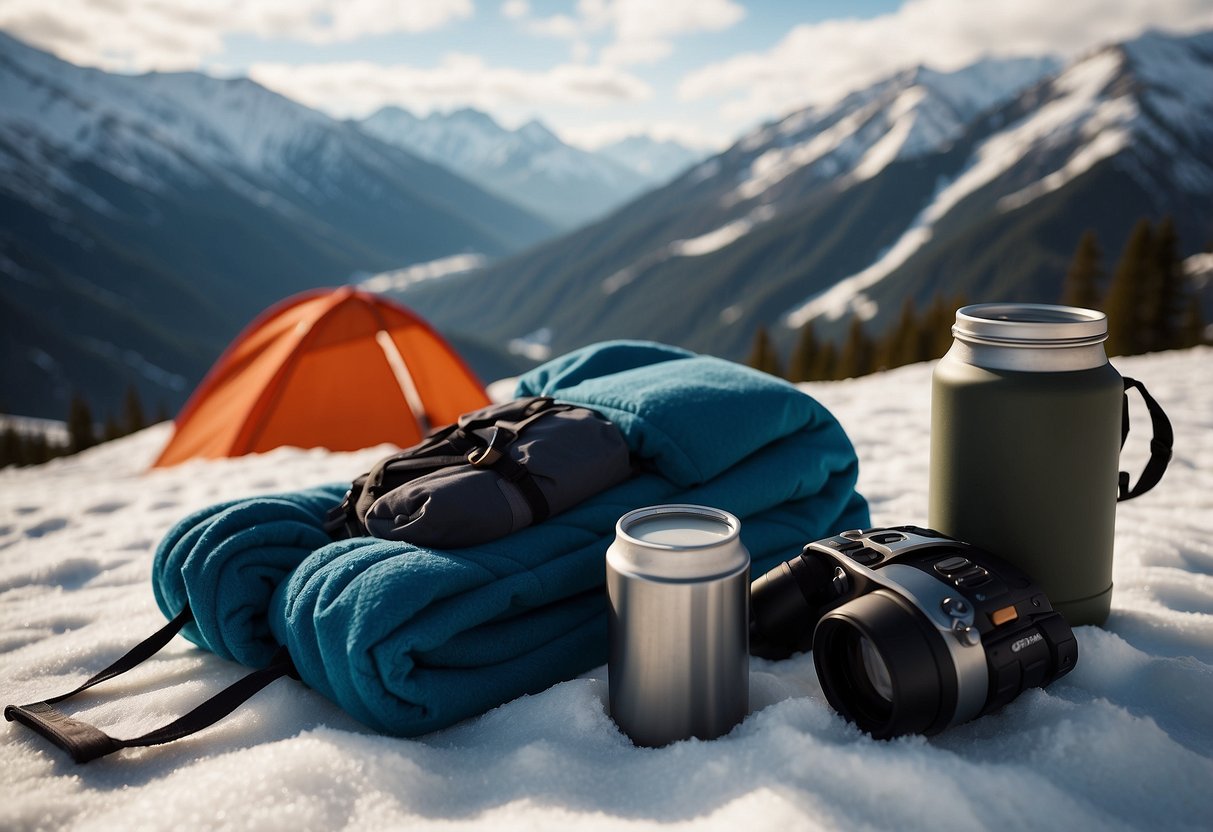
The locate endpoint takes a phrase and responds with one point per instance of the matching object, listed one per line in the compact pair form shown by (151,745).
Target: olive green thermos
(1025,437)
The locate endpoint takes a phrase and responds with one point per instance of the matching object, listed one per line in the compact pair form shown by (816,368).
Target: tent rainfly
(340,369)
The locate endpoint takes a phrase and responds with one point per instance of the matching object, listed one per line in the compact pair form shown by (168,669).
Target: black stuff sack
(495,471)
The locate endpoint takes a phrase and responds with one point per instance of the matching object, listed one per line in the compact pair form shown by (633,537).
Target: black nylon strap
(517,473)
(85,742)
(1161,443)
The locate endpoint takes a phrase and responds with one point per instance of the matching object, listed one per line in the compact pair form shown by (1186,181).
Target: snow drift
(1123,742)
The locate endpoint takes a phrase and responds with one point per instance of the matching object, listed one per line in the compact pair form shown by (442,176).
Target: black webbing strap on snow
(86,742)
(1160,443)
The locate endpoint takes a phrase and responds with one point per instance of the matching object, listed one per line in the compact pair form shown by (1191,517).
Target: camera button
(1002,616)
(955,607)
(840,544)
(864,555)
(949,566)
(853,534)
(885,538)
(966,634)
(971,576)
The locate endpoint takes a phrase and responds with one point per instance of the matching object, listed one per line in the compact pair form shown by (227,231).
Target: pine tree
(1192,328)
(1123,304)
(825,363)
(935,329)
(900,346)
(12,448)
(133,419)
(1081,287)
(856,358)
(800,367)
(38,449)
(1166,290)
(80,431)
(112,430)
(762,354)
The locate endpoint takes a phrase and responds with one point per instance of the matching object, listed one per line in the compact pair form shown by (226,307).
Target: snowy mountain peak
(397,115)
(530,165)
(1144,104)
(915,112)
(131,125)
(536,133)
(986,83)
(469,117)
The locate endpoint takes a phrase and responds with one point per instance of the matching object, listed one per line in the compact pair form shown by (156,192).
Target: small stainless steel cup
(678,580)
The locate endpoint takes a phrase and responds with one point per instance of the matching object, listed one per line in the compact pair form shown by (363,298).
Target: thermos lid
(1030,325)
(678,542)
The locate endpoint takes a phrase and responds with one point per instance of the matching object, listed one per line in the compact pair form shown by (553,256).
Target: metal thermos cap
(1030,325)
(678,543)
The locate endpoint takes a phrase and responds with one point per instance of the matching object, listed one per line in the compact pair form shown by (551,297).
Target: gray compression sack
(519,469)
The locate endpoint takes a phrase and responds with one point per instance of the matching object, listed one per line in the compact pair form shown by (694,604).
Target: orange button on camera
(1002,616)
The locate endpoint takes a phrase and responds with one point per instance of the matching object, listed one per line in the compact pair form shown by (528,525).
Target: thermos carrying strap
(1160,443)
(86,742)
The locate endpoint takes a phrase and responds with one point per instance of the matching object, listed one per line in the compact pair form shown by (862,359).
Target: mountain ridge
(532,165)
(774,225)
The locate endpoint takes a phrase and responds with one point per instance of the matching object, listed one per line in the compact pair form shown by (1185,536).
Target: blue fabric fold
(410,640)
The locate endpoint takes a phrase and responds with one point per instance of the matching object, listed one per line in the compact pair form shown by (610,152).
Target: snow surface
(399,279)
(721,237)
(1123,742)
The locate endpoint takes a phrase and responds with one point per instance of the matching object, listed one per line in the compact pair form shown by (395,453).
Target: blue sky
(702,71)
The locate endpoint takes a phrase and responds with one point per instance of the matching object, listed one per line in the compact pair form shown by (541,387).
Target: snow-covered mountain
(531,165)
(145,219)
(657,160)
(913,114)
(976,183)
(1144,105)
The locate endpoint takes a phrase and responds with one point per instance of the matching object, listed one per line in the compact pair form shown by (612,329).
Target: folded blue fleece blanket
(410,640)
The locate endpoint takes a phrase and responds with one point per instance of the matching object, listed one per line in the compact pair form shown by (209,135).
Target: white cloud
(515,9)
(556,26)
(360,87)
(818,63)
(624,52)
(592,136)
(641,30)
(139,35)
(645,20)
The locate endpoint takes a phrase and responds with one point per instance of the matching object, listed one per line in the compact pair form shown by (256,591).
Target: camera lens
(884,667)
(877,670)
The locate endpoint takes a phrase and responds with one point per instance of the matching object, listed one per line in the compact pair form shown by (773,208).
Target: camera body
(911,631)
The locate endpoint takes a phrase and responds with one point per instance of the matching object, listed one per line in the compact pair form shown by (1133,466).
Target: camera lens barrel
(919,669)
(785,604)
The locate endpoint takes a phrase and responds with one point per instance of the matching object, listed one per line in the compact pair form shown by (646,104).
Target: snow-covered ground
(1123,742)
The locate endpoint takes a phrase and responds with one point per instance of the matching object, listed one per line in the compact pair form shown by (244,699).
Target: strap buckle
(488,456)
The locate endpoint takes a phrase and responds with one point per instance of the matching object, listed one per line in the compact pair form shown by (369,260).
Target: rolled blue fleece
(410,640)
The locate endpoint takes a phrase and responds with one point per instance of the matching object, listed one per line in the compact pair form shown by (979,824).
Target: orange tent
(339,369)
